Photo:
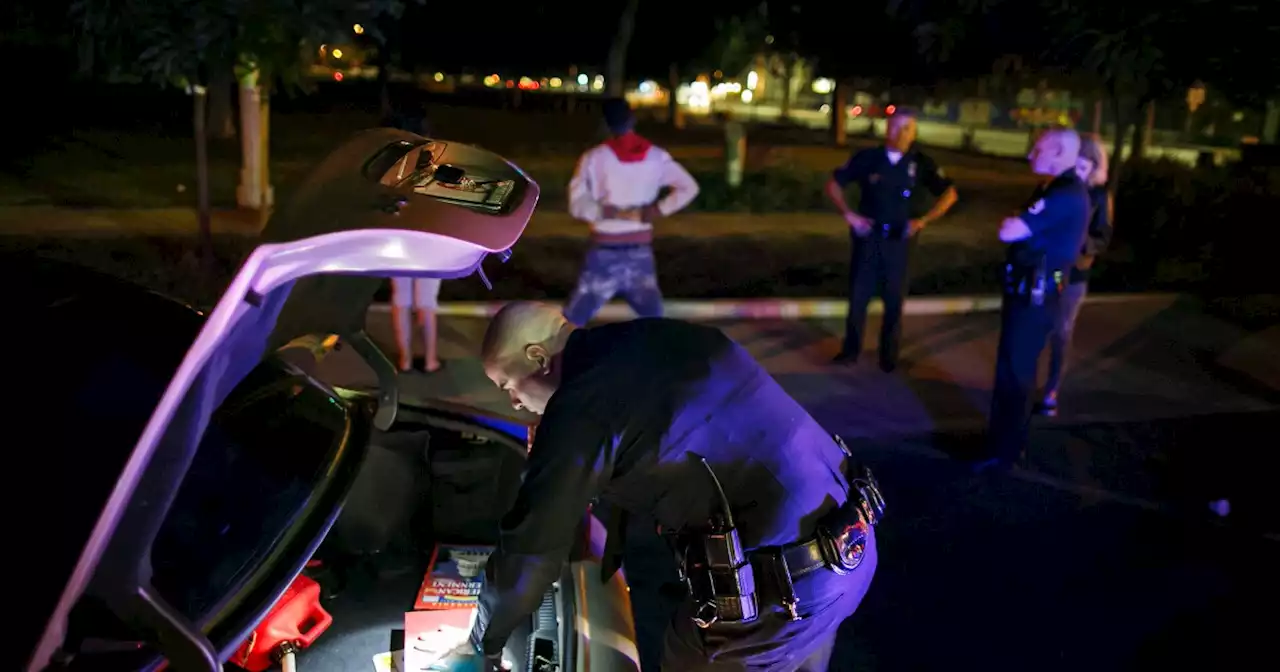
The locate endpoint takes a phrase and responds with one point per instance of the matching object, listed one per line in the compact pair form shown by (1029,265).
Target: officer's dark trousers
(1024,331)
(878,266)
(656,590)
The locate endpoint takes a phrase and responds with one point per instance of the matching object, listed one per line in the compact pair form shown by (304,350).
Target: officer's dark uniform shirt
(636,403)
(1058,215)
(887,187)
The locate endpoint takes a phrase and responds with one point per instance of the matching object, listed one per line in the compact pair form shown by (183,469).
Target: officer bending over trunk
(765,512)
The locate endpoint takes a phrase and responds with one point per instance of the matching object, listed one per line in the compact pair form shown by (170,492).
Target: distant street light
(358,28)
(337,53)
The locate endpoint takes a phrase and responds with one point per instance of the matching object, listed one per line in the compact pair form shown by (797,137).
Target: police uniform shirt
(638,402)
(887,185)
(1058,215)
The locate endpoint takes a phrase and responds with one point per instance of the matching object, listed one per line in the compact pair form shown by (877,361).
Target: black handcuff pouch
(717,571)
(720,576)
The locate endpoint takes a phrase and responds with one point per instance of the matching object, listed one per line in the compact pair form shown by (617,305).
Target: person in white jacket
(617,190)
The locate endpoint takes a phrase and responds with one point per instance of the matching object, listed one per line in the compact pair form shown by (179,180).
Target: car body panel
(342,225)
(600,630)
(603,624)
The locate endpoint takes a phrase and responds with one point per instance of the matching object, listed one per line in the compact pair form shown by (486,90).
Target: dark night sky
(579,32)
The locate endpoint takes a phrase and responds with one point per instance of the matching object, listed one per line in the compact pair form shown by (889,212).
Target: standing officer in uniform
(764,510)
(1044,241)
(881,227)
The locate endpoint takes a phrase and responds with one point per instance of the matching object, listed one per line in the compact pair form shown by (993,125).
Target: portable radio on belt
(720,578)
(1037,287)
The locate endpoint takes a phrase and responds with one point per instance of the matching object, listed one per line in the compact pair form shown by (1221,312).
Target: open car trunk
(446,472)
(167,384)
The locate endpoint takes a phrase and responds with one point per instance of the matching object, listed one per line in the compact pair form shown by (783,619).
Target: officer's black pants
(1024,331)
(878,266)
(656,590)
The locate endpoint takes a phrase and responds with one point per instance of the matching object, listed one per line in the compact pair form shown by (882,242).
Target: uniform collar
(576,356)
(1065,178)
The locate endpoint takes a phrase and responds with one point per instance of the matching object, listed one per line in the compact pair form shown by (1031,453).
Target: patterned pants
(1064,324)
(608,271)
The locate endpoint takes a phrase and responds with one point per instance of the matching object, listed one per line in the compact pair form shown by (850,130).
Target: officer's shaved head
(1055,152)
(900,130)
(519,324)
(521,352)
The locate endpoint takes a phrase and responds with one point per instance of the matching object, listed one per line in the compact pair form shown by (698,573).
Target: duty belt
(890,230)
(1033,282)
(839,545)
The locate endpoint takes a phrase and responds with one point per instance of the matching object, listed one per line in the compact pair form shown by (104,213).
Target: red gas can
(297,619)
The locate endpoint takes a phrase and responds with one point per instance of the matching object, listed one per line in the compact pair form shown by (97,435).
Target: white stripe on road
(775,309)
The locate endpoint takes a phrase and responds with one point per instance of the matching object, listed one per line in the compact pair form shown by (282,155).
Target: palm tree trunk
(383,81)
(390,29)
(1142,129)
(789,67)
(674,114)
(1117,142)
(221,124)
(839,127)
(616,67)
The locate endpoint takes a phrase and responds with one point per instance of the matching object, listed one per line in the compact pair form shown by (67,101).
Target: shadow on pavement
(1029,571)
(1102,554)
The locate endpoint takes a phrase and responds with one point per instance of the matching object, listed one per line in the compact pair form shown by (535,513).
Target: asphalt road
(1102,553)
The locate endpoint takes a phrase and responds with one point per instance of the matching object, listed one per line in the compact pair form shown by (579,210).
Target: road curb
(778,309)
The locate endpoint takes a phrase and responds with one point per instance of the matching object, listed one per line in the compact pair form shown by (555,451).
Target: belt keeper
(786,587)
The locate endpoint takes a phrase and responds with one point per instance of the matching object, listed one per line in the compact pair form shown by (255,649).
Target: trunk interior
(435,477)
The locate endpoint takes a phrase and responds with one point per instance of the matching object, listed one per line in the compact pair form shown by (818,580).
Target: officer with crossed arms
(1043,243)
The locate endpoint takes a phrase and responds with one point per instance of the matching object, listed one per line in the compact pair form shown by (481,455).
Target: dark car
(193,463)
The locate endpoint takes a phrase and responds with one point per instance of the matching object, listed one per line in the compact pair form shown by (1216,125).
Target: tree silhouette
(184,43)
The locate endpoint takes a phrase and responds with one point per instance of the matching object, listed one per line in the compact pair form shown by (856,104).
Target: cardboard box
(454,578)
(429,635)
(391,661)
